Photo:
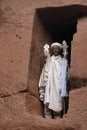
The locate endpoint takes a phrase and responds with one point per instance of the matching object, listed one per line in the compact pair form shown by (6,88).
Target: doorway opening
(51,24)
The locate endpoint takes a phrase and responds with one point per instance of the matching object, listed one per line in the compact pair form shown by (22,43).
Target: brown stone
(22,36)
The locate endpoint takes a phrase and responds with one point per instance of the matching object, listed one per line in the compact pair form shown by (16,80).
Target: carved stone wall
(22,36)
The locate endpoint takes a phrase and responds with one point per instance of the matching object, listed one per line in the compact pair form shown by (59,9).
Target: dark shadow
(61,22)
(76,82)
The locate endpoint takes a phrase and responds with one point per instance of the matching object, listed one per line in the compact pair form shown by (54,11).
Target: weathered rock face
(75,119)
(78,57)
(22,36)
(79,47)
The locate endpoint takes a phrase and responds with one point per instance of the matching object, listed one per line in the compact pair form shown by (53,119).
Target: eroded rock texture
(23,32)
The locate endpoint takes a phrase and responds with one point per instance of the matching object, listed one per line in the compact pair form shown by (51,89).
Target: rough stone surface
(15,119)
(22,37)
(79,48)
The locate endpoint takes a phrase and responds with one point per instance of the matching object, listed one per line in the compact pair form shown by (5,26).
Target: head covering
(56,44)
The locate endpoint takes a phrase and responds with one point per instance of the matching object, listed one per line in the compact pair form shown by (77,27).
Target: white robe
(44,74)
(54,89)
(44,79)
(64,78)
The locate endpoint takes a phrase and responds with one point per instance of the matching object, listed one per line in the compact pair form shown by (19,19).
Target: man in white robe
(53,98)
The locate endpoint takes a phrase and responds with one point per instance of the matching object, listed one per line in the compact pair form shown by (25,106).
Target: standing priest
(56,89)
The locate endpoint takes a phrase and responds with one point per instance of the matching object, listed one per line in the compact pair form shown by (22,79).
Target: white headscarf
(56,44)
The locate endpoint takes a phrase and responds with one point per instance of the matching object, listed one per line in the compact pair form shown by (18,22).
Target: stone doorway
(50,25)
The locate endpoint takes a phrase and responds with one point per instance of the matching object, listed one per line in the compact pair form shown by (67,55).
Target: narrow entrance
(52,24)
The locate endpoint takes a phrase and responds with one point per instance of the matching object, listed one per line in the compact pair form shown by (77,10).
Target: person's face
(56,50)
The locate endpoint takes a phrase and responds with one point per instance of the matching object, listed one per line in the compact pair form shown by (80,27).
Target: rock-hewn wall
(78,57)
(15,37)
(79,49)
(18,90)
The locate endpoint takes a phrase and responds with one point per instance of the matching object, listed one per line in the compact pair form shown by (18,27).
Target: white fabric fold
(64,78)
(54,79)
(53,88)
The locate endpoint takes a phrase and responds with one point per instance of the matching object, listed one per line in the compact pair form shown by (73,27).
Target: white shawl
(53,88)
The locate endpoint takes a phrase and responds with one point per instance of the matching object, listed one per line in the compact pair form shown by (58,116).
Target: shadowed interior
(53,24)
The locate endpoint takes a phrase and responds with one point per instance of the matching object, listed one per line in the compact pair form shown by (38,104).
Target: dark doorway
(61,22)
(51,24)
